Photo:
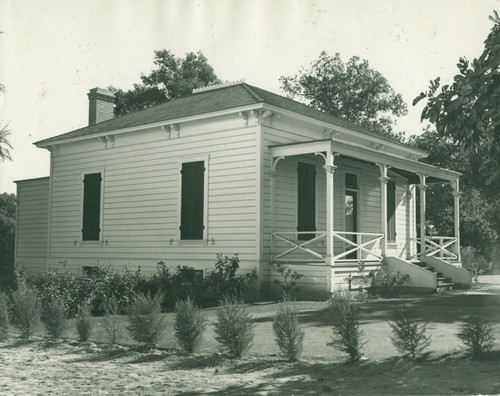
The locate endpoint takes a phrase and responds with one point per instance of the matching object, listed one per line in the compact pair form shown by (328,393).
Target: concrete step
(445,286)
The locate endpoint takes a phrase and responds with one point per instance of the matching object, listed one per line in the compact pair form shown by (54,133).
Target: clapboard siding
(32,224)
(140,204)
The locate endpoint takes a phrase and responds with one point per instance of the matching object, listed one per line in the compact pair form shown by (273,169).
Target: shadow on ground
(447,374)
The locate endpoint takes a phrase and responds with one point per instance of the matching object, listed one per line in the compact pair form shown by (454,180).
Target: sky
(52,52)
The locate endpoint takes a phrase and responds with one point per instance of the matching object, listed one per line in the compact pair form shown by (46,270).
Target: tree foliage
(172,78)
(350,90)
(479,203)
(467,111)
(4,138)
(7,233)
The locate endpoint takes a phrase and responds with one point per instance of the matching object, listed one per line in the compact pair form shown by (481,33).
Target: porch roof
(408,168)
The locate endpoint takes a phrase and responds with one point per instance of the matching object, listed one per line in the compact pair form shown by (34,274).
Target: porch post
(410,213)
(422,187)
(456,198)
(383,205)
(273,201)
(329,170)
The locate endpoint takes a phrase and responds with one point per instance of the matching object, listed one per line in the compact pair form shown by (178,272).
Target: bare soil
(67,367)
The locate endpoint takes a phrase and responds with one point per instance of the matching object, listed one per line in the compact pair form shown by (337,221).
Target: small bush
(25,310)
(473,260)
(54,317)
(146,322)
(234,329)
(344,317)
(477,335)
(288,334)
(4,317)
(190,323)
(391,284)
(111,321)
(408,335)
(223,280)
(84,324)
(290,278)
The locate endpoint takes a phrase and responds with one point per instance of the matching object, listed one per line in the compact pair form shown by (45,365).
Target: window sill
(192,242)
(392,245)
(89,243)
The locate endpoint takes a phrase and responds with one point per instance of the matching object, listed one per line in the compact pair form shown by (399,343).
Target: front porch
(363,210)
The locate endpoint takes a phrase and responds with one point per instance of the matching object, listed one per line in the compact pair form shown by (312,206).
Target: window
(91,225)
(192,200)
(306,202)
(351,212)
(90,270)
(391,211)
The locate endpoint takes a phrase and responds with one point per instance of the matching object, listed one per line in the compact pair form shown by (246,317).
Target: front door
(351,212)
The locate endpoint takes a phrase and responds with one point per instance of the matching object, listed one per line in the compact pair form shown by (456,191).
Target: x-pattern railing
(361,242)
(299,245)
(438,246)
(361,246)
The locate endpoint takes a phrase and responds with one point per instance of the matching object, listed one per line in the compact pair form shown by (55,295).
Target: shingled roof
(209,101)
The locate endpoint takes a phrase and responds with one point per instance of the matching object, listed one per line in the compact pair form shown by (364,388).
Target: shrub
(111,321)
(223,280)
(79,289)
(408,335)
(234,329)
(4,317)
(54,317)
(290,278)
(477,335)
(190,323)
(84,324)
(344,317)
(390,284)
(25,310)
(74,290)
(145,320)
(288,334)
(474,261)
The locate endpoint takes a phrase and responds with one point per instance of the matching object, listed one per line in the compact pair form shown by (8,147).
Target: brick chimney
(100,105)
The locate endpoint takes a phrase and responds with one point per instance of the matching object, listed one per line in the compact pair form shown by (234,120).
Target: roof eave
(54,141)
(411,151)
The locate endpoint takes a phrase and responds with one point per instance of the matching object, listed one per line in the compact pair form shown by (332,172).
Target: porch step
(443,283)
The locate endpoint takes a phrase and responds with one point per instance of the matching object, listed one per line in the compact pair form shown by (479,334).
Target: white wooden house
(235,169)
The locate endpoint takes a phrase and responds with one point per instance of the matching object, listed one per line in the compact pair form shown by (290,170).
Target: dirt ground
(67,367)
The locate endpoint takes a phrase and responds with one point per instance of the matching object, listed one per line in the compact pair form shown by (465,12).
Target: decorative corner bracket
(53,150)
(376,146)
(244,115)
(329,168)
(267,117)
(275,164)
(108,141)
(172,130)
(330,133)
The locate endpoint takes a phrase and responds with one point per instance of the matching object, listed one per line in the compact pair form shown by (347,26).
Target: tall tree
(349,90)
(172,78)
(468,110)
(479,207)
(7,232)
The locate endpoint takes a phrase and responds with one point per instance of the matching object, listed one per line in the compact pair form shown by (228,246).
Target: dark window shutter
(391,211)
(306,211)
(91,207)
(192,200)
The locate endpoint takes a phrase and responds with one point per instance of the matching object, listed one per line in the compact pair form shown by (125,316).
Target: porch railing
(300,246)
(437,246)
(361,248)
(355,246)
